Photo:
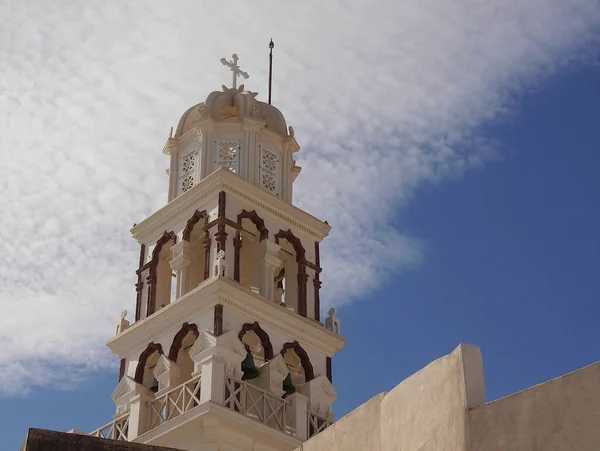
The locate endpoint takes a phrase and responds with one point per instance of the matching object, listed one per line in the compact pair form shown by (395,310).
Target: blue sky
(511,262)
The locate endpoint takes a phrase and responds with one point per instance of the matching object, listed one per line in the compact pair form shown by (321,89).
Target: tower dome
(233,130)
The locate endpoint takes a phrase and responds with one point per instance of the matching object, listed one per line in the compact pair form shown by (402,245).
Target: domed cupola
(231,129)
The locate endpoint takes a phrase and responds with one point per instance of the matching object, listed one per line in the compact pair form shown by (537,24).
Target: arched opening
(290,279)
(179,352)
(250,248)
(144,372)
(298,362)
(197,237)
(162,288)
(258,347)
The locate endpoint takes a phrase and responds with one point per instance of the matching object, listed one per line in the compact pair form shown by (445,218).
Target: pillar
(181,266)
(271,266)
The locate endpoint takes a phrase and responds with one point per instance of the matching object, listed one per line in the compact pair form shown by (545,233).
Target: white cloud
(384,97)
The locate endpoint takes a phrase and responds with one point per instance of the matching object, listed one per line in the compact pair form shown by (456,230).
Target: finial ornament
(123,314)
(233,66)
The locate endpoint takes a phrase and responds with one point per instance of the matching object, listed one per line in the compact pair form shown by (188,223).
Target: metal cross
(233,66)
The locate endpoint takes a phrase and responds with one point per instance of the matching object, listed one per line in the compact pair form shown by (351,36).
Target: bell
(154,387)
(249,368)
(288,385)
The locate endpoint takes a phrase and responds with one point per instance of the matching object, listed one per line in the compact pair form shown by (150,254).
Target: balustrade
(258,404)
(174,402)
(240,396)
(116,430)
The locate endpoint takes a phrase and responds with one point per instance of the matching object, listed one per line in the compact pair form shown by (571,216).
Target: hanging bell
(288,385)
(154,387)
(249,368)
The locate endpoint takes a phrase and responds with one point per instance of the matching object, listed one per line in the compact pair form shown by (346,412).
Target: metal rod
(271,45)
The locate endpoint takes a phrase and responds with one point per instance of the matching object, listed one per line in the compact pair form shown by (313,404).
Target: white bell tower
(227,351)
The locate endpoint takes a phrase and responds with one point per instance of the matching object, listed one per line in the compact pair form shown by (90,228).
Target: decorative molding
(223,180)
(294,241)
(178,339)
(309,373)
(265,341)
(202,299)
(150,349)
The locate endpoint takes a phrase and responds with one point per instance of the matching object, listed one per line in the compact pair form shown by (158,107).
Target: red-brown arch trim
(294,241)
(265,341)
(309,373)
(178,339)
(300,258)
(150,349)
(189,227)
(256,220)
(152,264)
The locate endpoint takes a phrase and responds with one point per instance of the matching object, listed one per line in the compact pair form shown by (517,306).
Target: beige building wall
(425,412)
(559,415)
(442,408)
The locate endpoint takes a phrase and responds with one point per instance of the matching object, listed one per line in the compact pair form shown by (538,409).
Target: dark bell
(154,387)
(249,368)
(288,385)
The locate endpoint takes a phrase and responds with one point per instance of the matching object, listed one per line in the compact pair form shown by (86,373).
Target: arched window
(250,245)
(257,341)
(298,362)
(179,352)
(161,275)
(144,372)
(290,280)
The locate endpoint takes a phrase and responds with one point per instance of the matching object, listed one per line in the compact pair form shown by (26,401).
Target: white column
(300,415)
(181,265)
(138,416)
(272,263)
(212,381)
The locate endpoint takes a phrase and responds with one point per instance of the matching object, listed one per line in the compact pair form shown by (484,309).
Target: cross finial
(233,66)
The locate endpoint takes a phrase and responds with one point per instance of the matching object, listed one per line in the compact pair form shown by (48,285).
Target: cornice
(224,180)
(310,334)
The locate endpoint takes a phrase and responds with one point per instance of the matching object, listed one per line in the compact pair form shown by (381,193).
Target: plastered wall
(425,412)
(559,415)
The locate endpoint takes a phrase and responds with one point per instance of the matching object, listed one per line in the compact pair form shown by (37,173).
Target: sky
(451,145)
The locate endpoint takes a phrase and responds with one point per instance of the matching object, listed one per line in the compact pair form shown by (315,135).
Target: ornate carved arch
(256,220)
(265,341)
(150,349)
(178,339)
(294,241)
(189,227)
(309,373)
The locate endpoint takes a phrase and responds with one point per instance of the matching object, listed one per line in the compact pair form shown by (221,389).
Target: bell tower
(227,350)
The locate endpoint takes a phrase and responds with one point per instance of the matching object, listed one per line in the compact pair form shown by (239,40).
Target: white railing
(317,423)
(258,404)
(173,403)
(115,430)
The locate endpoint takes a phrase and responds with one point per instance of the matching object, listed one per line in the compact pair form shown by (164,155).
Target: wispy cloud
(384,97)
